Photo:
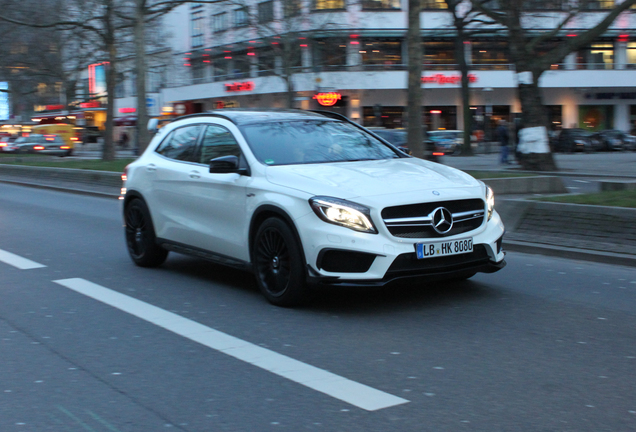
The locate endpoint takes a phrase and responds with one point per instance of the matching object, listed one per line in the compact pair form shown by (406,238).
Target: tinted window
(217,142)
(313,141)
(180,144)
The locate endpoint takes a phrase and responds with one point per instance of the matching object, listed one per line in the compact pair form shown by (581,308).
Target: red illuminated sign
(447,79)
(328,99)
(90,105)
(127,110)
(55,107)
(239,86)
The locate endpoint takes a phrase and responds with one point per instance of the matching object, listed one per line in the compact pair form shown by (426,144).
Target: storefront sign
(90,105)
(240,86)
(610,95)
(39,108)
(328,99)
(127,110)
(227,104)
(447,79)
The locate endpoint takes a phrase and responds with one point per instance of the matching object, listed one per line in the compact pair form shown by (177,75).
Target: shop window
(241,17)
(597,4)
(390,117)
(541,5)
(596,117)
(490,55)
(291,8)
(383,53)
(330,54)
(380,4)
(434,4)
(440,117)
(221,68)
(196,29)
(329,4)
(219,22)
(266,12)
(439,55)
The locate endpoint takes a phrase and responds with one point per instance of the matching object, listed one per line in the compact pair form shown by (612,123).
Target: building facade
(350,57)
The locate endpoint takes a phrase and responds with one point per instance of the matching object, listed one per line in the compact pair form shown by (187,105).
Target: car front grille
(416,220)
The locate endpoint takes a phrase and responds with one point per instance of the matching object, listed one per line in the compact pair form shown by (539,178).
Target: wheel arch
(264,212)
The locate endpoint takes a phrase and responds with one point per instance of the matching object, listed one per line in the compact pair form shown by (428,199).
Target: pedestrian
(124,140)
(504,141)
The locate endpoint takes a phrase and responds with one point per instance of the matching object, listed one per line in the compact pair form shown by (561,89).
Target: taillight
(38,148)
(3,144)
(64,147)
(124,175)
(74,138)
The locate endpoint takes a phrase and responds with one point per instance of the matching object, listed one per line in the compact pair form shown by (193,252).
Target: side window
(217,142)
(181,144)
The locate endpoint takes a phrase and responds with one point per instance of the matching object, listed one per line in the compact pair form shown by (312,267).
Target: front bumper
(339,256)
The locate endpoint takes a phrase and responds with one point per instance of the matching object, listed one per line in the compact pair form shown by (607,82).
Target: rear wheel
(278,264)
(140,236)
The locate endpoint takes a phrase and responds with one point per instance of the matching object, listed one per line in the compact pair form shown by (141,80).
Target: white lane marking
(18,261)
(333,385)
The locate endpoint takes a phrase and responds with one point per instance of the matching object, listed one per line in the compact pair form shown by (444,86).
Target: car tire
(140,236)
(278,264)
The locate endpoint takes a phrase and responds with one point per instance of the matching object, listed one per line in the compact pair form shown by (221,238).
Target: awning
(126,121)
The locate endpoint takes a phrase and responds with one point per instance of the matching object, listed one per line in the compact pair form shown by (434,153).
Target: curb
(569,253)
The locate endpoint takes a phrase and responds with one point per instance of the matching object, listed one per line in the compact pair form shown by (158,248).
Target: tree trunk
(140,65)
(533,154)
(414,103)
(460,54)
(108,151)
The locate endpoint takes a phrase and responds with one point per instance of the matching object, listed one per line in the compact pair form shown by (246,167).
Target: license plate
(444,248)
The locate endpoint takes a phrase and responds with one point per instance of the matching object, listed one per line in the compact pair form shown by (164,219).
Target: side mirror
(227,165)
(153,124)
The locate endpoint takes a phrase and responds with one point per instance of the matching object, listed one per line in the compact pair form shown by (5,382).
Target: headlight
(344,213)
(490,201)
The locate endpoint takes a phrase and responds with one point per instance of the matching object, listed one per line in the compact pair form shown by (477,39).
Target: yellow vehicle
(65,131)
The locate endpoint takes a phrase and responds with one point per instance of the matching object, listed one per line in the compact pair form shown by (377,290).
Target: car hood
(369,178)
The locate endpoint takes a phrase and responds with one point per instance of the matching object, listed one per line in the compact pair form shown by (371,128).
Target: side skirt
(205,254)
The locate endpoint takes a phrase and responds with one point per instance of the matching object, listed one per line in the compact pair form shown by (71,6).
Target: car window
(217,142)
(313,141)
(181,143)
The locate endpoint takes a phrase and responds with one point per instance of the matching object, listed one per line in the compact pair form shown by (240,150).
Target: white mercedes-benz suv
(305,199)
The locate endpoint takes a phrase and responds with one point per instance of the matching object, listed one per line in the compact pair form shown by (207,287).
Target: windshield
(313,141)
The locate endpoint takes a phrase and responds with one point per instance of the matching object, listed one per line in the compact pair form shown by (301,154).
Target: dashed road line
(18,261)
(354,393)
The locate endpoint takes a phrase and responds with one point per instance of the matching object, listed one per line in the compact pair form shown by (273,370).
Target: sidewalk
(593,233)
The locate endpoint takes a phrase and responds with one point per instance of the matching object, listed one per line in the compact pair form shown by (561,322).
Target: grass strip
(625,198)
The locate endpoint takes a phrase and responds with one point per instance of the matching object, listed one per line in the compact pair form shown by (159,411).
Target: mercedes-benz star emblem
(442,220)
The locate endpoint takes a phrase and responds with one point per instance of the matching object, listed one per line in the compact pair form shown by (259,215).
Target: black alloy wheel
(140,236)
(278,264)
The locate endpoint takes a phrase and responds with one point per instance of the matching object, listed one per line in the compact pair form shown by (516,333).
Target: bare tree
(532,52)
(414,102)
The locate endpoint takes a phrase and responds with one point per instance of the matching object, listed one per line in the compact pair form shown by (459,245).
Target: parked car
(575,140)
(448,142)
(399,138)
(38,144)
(304,199)
(613,140)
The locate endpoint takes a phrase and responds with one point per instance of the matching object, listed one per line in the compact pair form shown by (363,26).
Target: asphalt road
(546,344)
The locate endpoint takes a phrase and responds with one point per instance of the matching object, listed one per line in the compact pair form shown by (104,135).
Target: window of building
(198,71)
(439,55)
(380,4)
(631,55)
(330,54)
(490,55)
(266,12)
(219,22)
(596,56)
(329,4)
(381,52)
(221,67)
(266,61)
(196,28)
(241,66)
(597,4)
(539,5)
(434,4)
(291,8)
(241,17)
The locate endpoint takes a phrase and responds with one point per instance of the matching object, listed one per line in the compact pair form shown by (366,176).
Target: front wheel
(278,264)
(140,236)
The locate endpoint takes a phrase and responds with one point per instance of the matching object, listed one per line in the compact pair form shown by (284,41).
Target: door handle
(151,167)
(195,174)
